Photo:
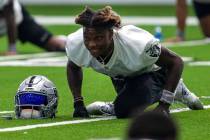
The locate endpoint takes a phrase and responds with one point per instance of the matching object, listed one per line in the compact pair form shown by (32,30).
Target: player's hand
(80,110)
(163,108)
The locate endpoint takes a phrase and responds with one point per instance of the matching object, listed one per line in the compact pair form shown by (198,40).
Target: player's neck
(107,55)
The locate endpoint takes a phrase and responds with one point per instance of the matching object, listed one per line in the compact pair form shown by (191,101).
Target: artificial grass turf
(124,10)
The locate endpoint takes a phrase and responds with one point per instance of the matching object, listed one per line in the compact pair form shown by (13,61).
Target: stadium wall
(121,2)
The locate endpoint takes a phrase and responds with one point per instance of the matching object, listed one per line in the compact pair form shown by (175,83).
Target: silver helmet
(36,98)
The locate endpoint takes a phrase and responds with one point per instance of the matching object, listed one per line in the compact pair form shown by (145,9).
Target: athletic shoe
(101,108)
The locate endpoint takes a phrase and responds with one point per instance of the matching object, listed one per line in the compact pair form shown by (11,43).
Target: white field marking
(185,109)
(199,63)
(105,139)
(190,43)
(205,97)
(187,59)
(35,62)
(27,56)
(27,127)
(6,112)
(143,20)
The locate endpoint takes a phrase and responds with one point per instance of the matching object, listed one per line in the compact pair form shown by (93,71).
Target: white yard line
(106,139)
(136,20)
(205,97)
(27,127)
(185,109)
(187,59)
(27,56)
(6,112)
(36,62)
(199,63)
(190,43)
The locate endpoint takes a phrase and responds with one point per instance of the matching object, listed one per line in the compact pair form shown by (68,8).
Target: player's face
(97,40)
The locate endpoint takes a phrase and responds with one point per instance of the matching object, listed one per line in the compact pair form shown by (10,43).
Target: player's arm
(75,76)
(9,15)
(174,65)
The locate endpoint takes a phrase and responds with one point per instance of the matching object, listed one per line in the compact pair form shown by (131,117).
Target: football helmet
(36,97)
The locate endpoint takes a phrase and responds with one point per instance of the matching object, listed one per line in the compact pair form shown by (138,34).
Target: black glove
(162,108)
(80,110)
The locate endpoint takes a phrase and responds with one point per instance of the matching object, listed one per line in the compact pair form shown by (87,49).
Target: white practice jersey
(18,15)
(135,52)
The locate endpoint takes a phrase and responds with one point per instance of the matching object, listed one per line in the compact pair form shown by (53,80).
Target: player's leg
(205,25)
(29,30)
(56,43)
(133,93)
(185,96)
(202,11)
(136,94)
(106,108)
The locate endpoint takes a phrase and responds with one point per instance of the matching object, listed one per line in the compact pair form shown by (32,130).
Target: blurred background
(126,2)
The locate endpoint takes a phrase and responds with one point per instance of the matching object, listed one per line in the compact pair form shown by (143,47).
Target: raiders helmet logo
(153,50)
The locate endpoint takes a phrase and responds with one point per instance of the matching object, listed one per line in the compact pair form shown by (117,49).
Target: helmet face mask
(36,98)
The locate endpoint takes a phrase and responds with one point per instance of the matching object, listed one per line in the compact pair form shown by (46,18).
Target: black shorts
(201,9)
(137,92)
(30,31)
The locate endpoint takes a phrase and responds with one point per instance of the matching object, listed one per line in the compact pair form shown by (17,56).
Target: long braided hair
(105,18)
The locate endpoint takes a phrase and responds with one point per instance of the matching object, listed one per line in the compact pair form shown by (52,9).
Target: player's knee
(125,106)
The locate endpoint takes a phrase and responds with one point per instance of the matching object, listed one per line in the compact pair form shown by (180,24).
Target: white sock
(181,90)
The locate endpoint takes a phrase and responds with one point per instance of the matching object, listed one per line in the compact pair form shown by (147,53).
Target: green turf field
(134,10)
(193,125)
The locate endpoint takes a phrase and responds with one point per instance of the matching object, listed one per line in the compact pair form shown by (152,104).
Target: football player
(17,23)
(142,71)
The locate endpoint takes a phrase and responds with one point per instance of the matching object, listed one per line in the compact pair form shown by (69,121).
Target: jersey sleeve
(141,45)
(76,50)
(145,44)
(152,52)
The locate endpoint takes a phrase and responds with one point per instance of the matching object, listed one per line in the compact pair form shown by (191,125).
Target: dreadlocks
(105,17)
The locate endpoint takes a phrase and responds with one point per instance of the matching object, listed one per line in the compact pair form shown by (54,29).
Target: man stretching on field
(142,71)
